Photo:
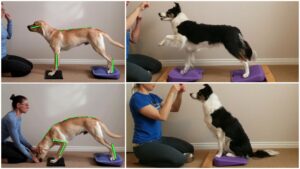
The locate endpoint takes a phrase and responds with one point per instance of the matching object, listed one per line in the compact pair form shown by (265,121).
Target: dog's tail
(112,41)
(250,54)
(108,132)
(264,153)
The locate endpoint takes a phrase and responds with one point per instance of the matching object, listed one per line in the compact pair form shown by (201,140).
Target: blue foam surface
(101,73)
(104,159)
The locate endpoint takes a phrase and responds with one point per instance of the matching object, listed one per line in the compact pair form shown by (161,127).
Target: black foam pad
(57,75)
(59,163)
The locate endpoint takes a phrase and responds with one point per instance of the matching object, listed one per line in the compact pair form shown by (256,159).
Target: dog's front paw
(111,158)
(51,73)
(53,160)
(162,43)
(230,155)
(218,155)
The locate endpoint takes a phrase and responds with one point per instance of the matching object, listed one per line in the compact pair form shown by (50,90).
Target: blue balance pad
(101,73)
(256,75)
(191,76)
(104,160)
(229,161)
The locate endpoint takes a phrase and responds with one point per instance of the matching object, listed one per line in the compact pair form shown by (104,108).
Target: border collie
(232,139)
(193,37)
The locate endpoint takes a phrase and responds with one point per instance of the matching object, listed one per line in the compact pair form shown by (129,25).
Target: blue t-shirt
(145,129)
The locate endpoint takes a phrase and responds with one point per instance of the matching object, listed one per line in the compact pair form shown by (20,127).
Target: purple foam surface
(256,75)
(229,161)
(101,73)
(104,159)
(191,76)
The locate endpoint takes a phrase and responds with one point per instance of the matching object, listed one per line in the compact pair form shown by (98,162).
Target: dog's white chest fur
(210,105)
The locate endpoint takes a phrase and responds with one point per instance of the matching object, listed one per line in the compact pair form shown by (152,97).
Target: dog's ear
(207,86)
(177,6)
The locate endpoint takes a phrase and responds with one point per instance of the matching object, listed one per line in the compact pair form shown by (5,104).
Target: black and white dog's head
(171,13)
(203,94)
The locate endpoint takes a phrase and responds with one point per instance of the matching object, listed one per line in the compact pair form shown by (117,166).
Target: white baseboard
(255,145)
(178,62)
(88,149)
(225,62)
(76,61)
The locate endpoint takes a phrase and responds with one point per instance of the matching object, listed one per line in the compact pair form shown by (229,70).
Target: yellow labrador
(64,131)
(66,39)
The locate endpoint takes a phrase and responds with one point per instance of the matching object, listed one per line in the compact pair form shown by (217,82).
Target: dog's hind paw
(245,75)
(183,71)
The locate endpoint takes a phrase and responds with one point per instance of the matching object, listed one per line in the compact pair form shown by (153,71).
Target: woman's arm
(163,113)
(135,33)
(177,103)
(23,140)
(9,25)
(132,17)
(13,132)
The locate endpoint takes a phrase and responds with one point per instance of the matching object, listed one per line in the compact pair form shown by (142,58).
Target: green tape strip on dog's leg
(64,145)
(112,65)
(114,152)
(56,61)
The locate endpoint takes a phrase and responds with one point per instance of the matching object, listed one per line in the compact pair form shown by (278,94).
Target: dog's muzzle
(29,27)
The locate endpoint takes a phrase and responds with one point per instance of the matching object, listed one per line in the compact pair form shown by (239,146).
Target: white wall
(51,103)
(107,16)
(271,28)
(268,113)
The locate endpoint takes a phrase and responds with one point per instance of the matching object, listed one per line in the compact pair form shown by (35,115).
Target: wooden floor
(280,73)
(72,160)
(71,73)
(288,158)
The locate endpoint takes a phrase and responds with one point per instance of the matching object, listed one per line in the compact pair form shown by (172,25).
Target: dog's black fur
(221,118)
(229,36)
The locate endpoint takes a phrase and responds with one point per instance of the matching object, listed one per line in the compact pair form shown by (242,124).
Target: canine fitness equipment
(103,159)
(229,161)
(191,76)
(256,75)
(101,72)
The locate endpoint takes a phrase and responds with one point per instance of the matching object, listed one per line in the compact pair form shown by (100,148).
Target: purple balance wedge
(229,161)
(256,75)
(100,72)
(103,159)
(191,76)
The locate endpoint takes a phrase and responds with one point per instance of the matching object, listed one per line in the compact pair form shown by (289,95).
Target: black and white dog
(193,37)
(232,139)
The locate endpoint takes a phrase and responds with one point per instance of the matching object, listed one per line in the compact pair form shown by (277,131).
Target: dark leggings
(167,152)
(12,153)
(140,68)
(16,65)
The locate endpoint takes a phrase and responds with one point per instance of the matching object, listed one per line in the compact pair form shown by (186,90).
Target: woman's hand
(144,5)
(179,88)
(35,159)
(7,16)
(33,150)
